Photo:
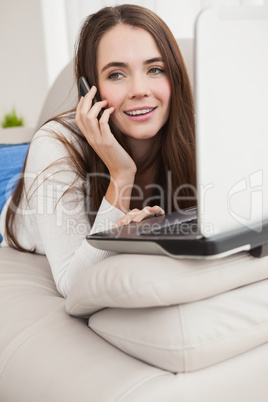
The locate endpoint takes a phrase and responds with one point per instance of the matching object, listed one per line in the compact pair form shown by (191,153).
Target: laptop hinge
(260,251)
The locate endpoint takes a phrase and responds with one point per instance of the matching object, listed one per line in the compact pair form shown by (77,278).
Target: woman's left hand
(137,215)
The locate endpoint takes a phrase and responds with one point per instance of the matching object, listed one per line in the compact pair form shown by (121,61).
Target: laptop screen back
(231,100)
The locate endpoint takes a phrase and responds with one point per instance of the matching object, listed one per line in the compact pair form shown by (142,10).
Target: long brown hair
(177,154)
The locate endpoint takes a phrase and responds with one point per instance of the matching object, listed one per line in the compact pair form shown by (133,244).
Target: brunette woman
(113,161)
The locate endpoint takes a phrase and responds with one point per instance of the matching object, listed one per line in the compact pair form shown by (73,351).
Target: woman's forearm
(119,192)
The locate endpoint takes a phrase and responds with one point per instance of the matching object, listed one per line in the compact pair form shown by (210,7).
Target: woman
(113,161)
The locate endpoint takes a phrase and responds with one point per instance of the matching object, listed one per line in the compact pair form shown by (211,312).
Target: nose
(139,87)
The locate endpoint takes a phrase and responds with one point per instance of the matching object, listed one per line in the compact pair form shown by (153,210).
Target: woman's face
(132,79)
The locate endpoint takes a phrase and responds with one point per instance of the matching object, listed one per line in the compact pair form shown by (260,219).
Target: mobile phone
(84,86)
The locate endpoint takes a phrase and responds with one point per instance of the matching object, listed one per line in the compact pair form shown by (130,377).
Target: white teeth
(138,112)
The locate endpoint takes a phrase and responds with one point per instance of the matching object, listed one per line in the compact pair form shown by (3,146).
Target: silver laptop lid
(231,99)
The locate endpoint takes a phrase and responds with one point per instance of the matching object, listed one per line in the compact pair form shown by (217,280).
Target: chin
(141,135)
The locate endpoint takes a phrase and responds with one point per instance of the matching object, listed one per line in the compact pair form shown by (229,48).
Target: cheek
(165,93)
(111,96)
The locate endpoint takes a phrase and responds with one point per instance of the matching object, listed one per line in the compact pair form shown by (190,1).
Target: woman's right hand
(121,166)
(137,215)
(99,136)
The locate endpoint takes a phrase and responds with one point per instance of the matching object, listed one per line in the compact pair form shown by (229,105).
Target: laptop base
(200,247)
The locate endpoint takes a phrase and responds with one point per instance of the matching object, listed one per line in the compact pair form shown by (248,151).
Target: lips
(139,111)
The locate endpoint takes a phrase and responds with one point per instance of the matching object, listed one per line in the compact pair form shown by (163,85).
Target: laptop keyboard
(185,228)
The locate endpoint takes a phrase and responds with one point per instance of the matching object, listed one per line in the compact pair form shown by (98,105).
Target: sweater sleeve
(56,205)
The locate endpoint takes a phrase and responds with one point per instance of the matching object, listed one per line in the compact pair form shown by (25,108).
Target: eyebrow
(124,65)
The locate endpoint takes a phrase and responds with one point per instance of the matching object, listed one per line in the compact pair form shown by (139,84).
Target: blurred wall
(23,72)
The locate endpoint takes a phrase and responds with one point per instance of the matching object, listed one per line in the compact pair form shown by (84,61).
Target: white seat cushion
(179,315)
(134,281)
(190,336)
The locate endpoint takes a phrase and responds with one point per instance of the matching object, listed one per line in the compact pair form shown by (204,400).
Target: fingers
(85,103)
(148,212)
(104,119)
(88,120)
(98,134)
(87,110)
(136,215)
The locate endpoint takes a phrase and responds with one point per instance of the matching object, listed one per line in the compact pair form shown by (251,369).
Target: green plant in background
(12,120)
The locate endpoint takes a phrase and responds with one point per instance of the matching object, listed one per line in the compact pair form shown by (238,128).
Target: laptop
(231,104)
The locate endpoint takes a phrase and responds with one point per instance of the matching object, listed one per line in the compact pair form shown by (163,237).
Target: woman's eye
(115,76)
(156,70)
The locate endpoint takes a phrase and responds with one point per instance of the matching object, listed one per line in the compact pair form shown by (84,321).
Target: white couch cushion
(190,336)
(134,281)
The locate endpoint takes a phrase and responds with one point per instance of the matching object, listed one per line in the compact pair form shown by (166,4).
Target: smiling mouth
(139,112)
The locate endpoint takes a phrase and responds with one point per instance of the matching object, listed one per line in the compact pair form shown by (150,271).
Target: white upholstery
(46,355)
(62,96)
(16,135)
(207,323)
(191,336)
(135,281)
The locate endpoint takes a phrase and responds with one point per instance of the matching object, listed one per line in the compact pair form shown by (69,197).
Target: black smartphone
(84,86)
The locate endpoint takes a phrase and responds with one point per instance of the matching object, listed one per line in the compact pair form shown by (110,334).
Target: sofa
(134,328)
